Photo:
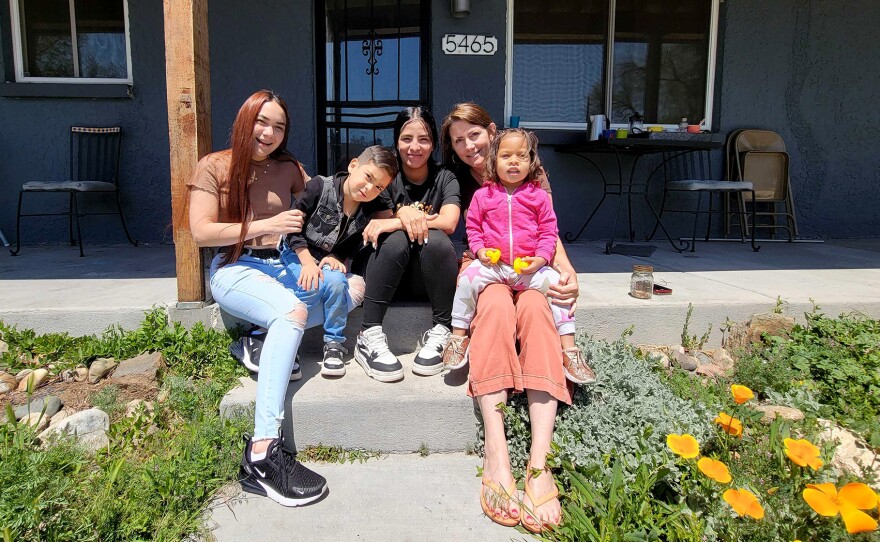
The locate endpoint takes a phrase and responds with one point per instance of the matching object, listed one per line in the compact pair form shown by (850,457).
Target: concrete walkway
(52,289)
(396,498)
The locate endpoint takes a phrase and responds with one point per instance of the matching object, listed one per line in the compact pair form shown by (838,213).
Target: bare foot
(504,505)
(541,485)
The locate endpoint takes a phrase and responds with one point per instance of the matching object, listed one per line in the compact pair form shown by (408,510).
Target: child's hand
(310,276)
(489,256)
(529,264)
(333,263)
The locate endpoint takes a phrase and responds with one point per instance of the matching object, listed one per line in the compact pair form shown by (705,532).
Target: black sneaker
(333,365)
(247,350)
(429,360)
(280,476)
(373,355)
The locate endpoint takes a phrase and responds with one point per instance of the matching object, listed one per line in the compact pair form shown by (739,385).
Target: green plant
(691,342)
(107,399)
(335,454)
(780,305)
(424,451)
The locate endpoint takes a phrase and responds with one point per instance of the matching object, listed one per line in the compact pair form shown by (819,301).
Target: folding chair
(94,168)
(759,157)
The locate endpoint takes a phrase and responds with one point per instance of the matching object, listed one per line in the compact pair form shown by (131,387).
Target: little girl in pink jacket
(511,228)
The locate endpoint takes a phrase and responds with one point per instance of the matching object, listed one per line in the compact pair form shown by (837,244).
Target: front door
(374,53)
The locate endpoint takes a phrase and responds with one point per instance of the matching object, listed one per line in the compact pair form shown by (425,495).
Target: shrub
(624,416)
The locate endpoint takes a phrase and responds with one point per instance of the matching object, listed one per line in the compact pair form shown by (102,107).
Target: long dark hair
(241,153)
(421,113)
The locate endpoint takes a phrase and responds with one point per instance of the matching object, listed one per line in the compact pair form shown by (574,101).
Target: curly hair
(531,141)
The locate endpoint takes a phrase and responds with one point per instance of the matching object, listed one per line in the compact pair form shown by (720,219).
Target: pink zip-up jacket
(519,224)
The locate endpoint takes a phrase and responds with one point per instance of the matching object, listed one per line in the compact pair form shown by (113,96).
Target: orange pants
(502,319)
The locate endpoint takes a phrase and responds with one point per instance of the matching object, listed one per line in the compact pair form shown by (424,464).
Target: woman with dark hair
(503,320)
(239,200)
(411,249)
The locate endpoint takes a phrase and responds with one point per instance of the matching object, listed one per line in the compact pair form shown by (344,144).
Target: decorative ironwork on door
(375,55)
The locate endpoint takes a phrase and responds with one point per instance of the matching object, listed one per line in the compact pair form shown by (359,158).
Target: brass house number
(469,44)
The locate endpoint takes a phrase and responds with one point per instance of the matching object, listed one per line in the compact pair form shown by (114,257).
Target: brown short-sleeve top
(271,184)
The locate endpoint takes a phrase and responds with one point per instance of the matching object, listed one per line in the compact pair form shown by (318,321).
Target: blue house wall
(806,69)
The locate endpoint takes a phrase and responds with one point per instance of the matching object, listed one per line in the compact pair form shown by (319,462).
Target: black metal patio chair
(94,169)
(691,172)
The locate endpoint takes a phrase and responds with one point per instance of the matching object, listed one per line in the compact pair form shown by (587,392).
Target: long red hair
(242,150)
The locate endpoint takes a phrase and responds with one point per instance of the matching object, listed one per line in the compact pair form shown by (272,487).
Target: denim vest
(322,227)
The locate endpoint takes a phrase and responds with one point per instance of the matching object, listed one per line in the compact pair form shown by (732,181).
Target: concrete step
(396,497)
(356,411)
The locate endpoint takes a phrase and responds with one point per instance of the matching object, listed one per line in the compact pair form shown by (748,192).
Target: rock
(683,359)
(710,370)
(61,415)
(89,427)
(723,358)
(36,420)
(50,402)
(703,357)
(134,406)
(100,368)
(664,362)
(141,369)
(35,379)
(852,453)
(743,336)
(7,382)
(82,373)
(68,375)
(772,412)
(20,375)
(3,347)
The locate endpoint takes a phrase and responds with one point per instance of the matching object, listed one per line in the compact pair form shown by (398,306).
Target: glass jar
(641,284)
(683,125)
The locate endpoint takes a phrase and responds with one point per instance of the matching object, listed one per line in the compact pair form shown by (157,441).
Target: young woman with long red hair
(240,200)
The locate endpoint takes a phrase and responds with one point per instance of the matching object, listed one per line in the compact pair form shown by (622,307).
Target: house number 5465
(469,44)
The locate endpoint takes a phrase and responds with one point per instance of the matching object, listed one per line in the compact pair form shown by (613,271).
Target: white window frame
(18,51)
(609,73)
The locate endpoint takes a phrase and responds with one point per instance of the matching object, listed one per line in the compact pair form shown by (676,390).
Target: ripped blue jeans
(262,291)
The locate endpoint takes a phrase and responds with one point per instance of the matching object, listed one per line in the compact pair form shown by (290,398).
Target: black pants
(424,271)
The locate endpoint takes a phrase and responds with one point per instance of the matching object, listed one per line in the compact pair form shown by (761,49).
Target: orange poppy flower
(684,445)
(741,394)
(730,424)
(715,470)
(849,503)
(802,453)
(744,503)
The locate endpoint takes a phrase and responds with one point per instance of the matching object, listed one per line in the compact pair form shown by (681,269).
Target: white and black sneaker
(247,350)
(333,365)
(429,360)
(373,355)
(280,476)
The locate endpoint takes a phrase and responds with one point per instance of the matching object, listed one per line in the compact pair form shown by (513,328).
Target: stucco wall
(804,68)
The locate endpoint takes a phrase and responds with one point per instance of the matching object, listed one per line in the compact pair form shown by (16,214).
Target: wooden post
(187,78)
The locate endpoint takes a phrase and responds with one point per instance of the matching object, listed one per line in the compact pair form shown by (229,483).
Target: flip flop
(536,526)
(499,493)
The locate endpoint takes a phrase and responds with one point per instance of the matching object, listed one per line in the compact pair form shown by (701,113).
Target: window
(71,41)
(655,58)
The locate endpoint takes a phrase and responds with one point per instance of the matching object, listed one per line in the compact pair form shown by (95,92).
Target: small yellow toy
(494,255)
(519,265)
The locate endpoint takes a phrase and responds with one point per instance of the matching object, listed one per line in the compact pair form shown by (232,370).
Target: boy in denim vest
(337,210)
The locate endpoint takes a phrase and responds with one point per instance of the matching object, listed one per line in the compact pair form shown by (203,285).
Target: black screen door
(374,59)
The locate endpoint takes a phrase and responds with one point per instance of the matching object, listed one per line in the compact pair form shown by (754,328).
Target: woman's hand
(377,227)
(415,223)
(332,262)
(566,291)
(310,276)
(284,222)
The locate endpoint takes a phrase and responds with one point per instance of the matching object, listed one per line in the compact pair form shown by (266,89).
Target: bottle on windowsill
(683,125)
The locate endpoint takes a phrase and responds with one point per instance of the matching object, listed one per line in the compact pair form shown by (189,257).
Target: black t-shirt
(439,189)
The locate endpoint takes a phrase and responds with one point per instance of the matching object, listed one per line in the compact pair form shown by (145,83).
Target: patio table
(674,145)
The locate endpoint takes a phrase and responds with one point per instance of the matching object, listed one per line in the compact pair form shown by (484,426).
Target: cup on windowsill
(694,128)
(622,133)
(514,121)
